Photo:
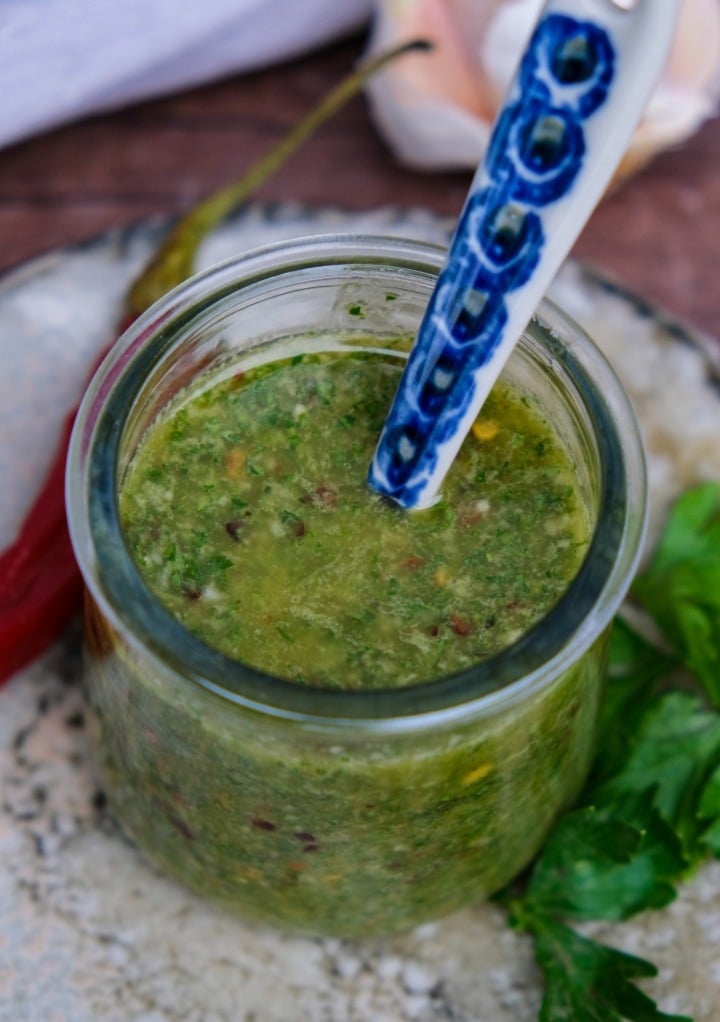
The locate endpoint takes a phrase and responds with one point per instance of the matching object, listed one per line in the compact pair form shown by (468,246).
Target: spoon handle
(579,91)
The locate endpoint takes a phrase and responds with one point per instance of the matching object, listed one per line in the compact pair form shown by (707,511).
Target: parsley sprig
(650,812)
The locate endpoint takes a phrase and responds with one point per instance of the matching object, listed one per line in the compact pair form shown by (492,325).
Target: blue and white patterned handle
(579,92)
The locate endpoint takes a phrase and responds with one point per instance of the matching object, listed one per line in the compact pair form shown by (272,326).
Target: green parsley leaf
(692,526)
(606,862)
(588,982)
(650,811)
(681,587)
(709,811)
(675,753)
(636,669)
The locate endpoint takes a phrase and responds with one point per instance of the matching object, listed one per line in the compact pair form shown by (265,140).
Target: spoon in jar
(580,89)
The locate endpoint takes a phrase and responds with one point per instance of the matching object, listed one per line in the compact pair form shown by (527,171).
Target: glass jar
(336,811)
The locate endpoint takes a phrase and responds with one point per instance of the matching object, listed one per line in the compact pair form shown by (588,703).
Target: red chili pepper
(40,583)
(49,597)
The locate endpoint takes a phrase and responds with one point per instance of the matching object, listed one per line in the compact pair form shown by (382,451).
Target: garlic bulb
(435,110)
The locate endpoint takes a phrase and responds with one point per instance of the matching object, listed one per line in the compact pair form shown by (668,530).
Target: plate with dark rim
(88,929)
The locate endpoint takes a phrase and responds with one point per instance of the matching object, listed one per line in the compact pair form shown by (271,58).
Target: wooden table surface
(658,233)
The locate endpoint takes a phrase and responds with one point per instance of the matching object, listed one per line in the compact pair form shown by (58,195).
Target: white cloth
(65,59)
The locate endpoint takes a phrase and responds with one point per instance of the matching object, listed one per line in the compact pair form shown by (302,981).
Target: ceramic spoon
(580,89)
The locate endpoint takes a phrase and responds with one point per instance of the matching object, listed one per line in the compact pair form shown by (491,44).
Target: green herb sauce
(247,511)
(249,516)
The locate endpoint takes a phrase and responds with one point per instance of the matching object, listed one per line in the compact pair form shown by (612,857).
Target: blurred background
(67,173)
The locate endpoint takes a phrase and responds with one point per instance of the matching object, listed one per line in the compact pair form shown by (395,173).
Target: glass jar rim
(548,649)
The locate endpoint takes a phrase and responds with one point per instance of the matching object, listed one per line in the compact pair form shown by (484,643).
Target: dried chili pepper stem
(174,260)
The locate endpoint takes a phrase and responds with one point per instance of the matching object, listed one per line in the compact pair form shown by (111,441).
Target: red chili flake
(412,562)
(322,496)
(460,625)
(573,709)
(191,592)
(182,827)
(304,835)
(262,824)
(298,529)
(470,517)
(326,495)
(235,529)
(433,630)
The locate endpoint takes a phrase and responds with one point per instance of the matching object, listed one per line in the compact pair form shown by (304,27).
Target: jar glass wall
(338,811)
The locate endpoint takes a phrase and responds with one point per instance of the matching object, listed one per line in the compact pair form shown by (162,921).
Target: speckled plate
(88,930)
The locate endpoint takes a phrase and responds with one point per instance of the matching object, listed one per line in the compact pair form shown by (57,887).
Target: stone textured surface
(88,930)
